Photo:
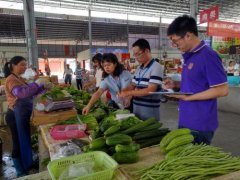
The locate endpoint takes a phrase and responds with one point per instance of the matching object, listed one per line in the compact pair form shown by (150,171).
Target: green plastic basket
(101,159)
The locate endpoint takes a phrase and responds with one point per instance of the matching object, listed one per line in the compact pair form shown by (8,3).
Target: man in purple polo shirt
(203,75)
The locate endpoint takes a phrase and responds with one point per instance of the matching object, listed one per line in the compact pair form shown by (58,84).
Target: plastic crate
(101,159)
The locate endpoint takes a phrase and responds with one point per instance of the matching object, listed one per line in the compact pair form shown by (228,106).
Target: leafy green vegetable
(72,120)
(90,120)
(107,122)
(99,114)
(129,122)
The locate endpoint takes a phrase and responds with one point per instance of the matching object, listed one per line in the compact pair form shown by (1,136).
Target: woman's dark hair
(181,25)
(97,57)
(7,69)
(112,58)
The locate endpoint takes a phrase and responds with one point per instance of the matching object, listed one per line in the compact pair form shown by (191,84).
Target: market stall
(132,143)
(148,157)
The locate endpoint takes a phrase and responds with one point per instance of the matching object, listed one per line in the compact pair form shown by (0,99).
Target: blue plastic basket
(233,80)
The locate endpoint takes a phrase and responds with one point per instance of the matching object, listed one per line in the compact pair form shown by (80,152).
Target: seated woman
(115,80)
(230,68)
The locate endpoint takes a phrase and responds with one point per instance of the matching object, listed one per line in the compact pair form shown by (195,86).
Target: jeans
(79,83)
(11,122)
(201,136)
(23,111)
(68,79)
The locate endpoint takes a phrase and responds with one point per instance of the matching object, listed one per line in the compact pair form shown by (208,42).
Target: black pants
(79,83)
(11,122)
(68,79)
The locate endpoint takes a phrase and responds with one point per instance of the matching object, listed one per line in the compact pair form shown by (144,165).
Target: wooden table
(148,157)
(39,118)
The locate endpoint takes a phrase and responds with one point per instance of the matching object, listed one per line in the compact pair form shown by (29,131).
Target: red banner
(224,29)
(66,50)
(125,56)
(210,14)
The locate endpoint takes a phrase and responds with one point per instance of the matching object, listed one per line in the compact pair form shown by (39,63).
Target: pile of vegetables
(147,133)
(175,140)
(123,139)
(193,162)
(79,97)
(56,94)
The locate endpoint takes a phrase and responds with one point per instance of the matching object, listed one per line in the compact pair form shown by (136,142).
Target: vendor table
(148,157)
(39,118)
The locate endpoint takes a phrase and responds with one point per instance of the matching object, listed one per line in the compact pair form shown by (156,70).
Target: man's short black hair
(181,25)
(143,44)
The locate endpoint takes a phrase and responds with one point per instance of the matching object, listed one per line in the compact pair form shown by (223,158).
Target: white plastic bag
(123,102)
(29,74)
(77,170)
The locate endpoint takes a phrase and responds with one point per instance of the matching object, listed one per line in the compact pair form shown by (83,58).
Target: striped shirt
(80,73)
(145,105)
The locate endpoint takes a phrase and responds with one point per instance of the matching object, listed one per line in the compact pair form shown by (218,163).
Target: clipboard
(171,93)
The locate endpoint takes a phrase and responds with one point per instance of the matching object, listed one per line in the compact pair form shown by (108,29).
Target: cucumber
(139,126)
(128,157)
(111,130)
(127,148)
(154,126)
(150,142)
(111,150)
(118,139)
(97,143)
(150,133)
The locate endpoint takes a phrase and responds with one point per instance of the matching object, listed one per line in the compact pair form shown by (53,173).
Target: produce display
(122,139)
(56,94)
(175,139)
(55,99)
(121,135)
(198,162)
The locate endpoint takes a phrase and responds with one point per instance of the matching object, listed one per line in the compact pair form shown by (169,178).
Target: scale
(53,105)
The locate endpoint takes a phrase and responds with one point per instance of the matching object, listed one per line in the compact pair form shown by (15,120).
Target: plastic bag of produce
(77,170)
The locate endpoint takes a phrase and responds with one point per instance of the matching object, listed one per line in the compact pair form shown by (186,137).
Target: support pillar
(194,8)
(30,32)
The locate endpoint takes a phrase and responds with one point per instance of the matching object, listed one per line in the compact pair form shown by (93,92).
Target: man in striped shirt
(147,78)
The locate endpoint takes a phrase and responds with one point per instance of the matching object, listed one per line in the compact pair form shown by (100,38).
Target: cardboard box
(39,118)
(54,79)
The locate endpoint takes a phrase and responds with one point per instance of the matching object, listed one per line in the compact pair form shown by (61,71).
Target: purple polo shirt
(202,70)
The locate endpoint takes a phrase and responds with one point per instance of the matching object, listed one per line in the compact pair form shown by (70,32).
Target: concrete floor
(227,135)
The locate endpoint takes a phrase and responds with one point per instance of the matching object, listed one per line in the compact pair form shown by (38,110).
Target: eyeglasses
(175,41)
(137,55)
